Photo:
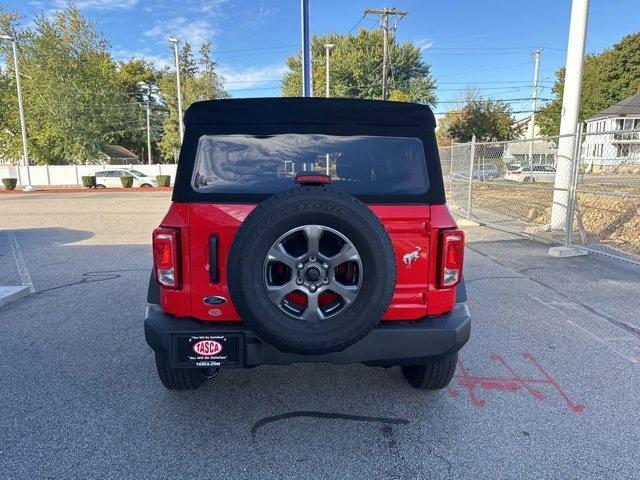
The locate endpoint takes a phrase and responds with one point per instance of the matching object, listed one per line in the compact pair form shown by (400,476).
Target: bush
(163,180)
(89,181)
(10,183)
(127,181)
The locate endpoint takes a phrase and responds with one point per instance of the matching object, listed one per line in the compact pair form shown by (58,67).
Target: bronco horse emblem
(411,257)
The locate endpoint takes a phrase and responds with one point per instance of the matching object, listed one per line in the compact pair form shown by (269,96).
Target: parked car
(111,178)
(486,171)
(523,174)
(264,258)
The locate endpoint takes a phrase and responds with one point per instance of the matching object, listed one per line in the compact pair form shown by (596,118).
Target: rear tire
(328,209)
(101,186)
(431,376)
(177,378)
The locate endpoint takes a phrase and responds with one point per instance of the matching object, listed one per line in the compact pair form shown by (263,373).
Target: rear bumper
(397,343)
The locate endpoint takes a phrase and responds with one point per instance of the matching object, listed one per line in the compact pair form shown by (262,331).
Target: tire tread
(177,378)
(431,376)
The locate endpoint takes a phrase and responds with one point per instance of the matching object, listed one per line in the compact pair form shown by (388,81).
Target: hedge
(127,181)
(89,181)
(163,180)
(10,183)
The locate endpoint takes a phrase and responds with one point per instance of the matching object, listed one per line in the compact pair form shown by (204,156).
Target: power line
(503,100)
(357,23)
(458,112)
(273,47)
(528,82)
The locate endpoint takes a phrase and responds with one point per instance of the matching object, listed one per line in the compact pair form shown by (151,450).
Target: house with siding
(612,136)
(543,150)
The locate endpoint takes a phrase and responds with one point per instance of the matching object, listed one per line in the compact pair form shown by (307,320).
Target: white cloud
(211,6)
(96,4)
(195,32)
(158,61)
(245,78)
(258,17)
(424,44)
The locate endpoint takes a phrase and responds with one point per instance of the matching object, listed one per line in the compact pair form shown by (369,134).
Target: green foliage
(199,81)
(163,180)
(72,101)
(488,120)
(608,77)
(10,183)
(78,99)
(356,69)
(89,181)
(127,181)
(130,74)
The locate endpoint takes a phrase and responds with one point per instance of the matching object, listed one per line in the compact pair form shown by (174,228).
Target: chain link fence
(578,190)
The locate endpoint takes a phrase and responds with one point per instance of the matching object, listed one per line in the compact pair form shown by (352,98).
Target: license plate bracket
(208,351)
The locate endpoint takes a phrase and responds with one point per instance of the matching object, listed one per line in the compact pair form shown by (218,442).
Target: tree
(356,69)
(131,75)
(199,80)
(608,77)
(73,101)
(488,120)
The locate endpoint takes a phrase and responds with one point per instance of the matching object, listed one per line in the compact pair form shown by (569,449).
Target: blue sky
(485,44)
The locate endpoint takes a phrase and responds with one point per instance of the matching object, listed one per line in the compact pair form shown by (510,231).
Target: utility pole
(174,41)
(306,50)
(534,106)
(23,125)
(327,49)
(570,111)
(384,23)
(146,93)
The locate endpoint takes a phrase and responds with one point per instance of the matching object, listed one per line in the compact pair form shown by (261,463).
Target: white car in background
(111,178)
(524,174)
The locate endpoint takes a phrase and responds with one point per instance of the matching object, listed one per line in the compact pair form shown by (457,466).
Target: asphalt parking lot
(547,387)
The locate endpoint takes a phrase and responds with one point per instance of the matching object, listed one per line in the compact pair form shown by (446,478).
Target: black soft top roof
(326,116)
(284,110)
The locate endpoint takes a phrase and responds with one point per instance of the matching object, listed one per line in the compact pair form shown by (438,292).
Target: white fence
(52,175)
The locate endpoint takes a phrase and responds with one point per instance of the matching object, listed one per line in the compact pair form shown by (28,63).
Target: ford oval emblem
(214,300)
(207,347)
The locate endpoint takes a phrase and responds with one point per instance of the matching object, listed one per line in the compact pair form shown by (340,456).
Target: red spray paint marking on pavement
(513,383)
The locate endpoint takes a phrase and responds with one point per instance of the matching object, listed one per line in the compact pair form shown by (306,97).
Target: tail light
(452,244)
(165,257)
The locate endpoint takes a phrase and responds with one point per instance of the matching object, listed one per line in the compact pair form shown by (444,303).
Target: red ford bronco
(307,230)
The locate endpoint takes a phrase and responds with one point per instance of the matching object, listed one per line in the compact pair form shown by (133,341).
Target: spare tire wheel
(311,270)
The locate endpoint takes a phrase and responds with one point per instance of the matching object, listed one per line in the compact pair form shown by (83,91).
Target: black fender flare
(461,291)
(153,292)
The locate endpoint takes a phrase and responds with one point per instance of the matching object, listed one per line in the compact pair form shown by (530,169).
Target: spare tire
(311,270)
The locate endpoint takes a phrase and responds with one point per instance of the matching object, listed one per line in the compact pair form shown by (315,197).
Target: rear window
(359,165)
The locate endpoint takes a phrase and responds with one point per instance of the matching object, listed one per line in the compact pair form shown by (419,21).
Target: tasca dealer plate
(206,351)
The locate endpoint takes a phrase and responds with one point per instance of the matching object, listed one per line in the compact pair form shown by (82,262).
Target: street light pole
(327,49)
(175,41)
(307,88)
(570,112)
(23,125)
(149,132)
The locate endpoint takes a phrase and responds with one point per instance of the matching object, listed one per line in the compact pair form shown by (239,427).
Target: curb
(11,294)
